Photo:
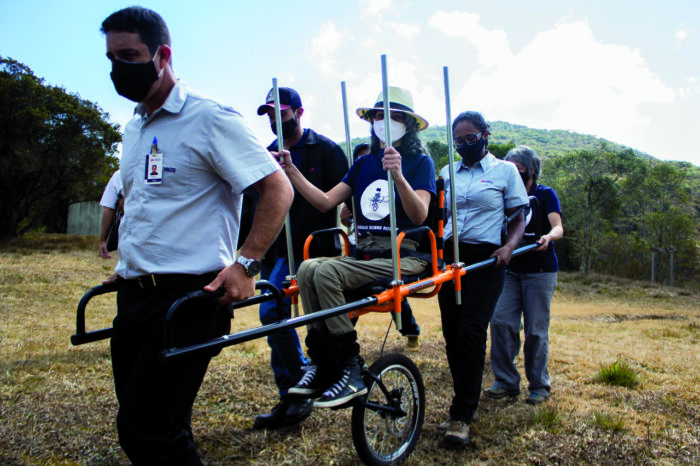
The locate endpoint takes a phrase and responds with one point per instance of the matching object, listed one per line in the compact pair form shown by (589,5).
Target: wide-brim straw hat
(400,100)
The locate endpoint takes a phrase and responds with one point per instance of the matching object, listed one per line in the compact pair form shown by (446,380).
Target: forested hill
(545,142)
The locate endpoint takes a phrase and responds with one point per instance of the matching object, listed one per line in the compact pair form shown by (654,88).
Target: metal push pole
(348,147)
(280,147)
(390,179)
(451,164)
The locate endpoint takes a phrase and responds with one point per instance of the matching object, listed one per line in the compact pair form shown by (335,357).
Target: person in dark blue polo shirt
(527,293)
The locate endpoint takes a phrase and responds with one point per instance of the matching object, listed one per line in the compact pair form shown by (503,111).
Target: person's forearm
(516,228)
(276,195)
(107,220)
(416,208)
(556,233)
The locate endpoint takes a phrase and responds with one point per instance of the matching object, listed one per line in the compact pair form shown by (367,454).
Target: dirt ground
(57,404)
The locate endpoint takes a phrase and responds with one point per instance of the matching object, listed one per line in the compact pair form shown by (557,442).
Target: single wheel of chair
(387,424)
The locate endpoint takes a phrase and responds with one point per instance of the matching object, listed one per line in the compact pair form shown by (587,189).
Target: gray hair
(527,158)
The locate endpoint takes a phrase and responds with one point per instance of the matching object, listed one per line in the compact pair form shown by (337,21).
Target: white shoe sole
(339,401)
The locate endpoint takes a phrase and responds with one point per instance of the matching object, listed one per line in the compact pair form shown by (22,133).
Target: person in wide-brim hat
(400,100)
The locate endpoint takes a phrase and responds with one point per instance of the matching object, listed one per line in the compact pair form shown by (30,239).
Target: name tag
(154,165)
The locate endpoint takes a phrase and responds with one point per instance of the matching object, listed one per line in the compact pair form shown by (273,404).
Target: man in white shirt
(180,234)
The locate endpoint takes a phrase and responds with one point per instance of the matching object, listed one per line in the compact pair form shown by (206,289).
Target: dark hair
(475,118)
(527,158)
(359,148)
(148,24)
(410,142)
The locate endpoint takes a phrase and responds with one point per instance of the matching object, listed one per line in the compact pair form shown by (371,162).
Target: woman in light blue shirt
(486,189)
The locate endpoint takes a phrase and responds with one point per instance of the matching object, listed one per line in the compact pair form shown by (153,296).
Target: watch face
(253,268)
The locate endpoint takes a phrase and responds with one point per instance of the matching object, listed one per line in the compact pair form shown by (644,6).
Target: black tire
(384,439)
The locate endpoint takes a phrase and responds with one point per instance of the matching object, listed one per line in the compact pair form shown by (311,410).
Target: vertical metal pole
(390,179)
(348,148)
(280,147)
(451,164)
(671,251)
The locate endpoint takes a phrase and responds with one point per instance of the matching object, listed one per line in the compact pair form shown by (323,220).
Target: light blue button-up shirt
(484,192)
(189,223)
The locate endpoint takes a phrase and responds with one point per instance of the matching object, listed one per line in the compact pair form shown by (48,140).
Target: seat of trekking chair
(435,215)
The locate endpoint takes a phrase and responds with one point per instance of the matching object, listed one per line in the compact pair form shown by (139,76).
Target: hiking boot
(446,425)
(497,393)
(348,387)
(536,399)
(457,433)
(298,410)
(412,343)
(308,386)
(288,411)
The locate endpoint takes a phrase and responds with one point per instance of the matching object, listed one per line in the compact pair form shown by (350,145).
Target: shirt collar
(173,104)
(308,137)
(485,163)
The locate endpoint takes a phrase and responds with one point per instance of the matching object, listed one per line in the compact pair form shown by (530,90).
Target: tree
(438,151)
(592,187)
(55,149)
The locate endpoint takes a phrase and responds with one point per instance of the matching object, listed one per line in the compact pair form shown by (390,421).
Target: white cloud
(564,78)
(680,34)
(404,30)
(325,45)
(376,7)
(491,46)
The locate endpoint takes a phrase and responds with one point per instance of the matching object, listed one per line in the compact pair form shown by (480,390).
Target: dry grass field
(57,404)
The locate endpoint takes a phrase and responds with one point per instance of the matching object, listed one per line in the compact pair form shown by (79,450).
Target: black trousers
(155,399)
(465,327)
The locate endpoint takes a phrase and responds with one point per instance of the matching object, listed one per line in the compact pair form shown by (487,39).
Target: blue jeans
(287,357)
(528,295)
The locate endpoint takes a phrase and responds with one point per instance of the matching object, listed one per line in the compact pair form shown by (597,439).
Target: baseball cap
(289,98)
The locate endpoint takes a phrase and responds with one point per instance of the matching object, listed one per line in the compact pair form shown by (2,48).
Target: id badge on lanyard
(154,165)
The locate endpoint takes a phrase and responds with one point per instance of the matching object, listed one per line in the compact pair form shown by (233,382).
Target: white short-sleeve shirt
(188,223)
(112,192)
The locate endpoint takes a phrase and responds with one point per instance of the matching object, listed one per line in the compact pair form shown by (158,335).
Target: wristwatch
(251,266)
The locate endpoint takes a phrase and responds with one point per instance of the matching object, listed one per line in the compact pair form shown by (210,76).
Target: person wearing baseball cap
(324,164)
(334,376)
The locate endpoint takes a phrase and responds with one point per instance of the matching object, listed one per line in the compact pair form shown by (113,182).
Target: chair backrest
(435,220)
(531,211)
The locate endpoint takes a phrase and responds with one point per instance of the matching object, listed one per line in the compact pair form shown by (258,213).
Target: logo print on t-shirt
(375,200)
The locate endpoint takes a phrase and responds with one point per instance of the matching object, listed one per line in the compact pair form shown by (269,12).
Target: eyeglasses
(468,139)
(396,116)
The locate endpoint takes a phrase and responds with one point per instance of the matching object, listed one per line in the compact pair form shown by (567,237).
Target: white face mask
(398,129)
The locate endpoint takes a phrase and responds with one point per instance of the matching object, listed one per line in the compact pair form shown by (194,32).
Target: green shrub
(548,417)
(618,373)
(610,423)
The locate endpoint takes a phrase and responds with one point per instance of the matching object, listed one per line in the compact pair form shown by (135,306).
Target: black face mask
(288,128)
(472,153)
(133,80)
(526,177)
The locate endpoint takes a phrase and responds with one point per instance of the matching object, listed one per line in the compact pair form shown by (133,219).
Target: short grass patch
(618,373)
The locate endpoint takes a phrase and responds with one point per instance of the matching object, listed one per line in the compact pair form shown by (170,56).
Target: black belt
(157,279)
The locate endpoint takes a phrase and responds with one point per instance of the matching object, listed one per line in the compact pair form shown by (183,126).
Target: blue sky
(628,71)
